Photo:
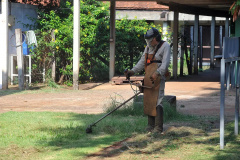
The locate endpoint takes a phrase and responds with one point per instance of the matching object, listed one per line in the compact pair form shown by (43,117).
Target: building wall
(18,14)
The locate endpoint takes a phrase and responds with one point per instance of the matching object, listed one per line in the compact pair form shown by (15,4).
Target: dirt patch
(198,98)
(196,95)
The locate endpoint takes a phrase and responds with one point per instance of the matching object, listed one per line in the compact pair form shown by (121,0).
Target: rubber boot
(158,128)
(151,123)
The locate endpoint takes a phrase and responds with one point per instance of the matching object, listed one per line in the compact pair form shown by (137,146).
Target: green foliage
(52,84)
(94,44)
(234,6)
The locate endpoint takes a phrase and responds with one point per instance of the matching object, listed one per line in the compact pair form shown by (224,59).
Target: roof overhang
(217,8)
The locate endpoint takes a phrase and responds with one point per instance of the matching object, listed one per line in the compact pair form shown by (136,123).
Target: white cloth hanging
(31,38)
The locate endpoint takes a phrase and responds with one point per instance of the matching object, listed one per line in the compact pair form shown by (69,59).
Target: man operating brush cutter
(155,60)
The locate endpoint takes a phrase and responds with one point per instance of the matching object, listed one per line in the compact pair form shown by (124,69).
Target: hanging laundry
(31,38)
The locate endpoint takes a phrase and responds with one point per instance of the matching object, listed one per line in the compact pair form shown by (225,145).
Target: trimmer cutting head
(89,129)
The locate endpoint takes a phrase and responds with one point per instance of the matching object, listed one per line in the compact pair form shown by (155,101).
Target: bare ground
(196,94)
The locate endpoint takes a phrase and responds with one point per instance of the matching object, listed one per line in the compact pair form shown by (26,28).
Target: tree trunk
(61,79)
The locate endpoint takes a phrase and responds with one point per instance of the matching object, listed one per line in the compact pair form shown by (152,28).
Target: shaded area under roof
(218,8)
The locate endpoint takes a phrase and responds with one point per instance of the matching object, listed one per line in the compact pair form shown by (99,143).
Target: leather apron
(150,94)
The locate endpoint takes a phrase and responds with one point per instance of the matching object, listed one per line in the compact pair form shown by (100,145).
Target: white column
(112,40)
(165,29)
(76,43)
(54,59)
(4,46)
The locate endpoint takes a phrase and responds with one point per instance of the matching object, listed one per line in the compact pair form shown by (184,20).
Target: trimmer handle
(127,75)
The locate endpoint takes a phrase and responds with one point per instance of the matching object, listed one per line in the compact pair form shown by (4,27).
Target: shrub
(94,44)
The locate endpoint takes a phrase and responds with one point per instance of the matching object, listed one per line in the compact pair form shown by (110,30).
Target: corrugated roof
(140,5)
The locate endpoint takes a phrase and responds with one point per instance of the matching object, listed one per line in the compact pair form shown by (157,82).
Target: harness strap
(149,61)
(158,47)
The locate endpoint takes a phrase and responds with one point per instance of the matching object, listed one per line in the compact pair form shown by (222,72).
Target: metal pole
(237,99)
(232,78)
(222,104)
(228,75)
(76,43)
(175,44)
(112,40)
(212,42)
(220,38)
(227,27)
(201,47)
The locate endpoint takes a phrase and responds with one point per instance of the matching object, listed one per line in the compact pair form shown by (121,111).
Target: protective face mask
(148,41)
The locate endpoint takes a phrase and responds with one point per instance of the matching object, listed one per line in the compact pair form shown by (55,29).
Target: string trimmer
(89,128)
(141,87)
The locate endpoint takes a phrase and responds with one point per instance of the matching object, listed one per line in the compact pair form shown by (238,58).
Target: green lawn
(50,135)
(46,135)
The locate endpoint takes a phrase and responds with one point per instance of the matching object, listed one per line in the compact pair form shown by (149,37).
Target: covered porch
(213,8)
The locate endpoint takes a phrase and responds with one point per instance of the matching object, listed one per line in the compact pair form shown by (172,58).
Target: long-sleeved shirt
(163,54)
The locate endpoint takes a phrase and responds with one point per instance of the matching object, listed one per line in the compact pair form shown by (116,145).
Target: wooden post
(4,46)
(112,40)
(212,42)
(54,59)
(175,44)
(20,60)
(196,26)
(201,47)
(76,43)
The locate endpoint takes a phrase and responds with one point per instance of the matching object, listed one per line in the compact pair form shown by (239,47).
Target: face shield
(148,41)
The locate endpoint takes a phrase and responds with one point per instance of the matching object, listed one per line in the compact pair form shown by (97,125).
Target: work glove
(128,73)
(154,76)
